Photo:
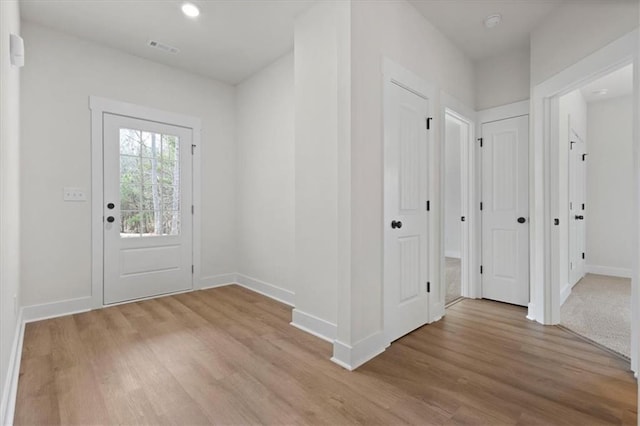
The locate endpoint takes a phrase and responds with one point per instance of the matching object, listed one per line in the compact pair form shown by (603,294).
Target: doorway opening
(595,128)
(457,136)
(549,234)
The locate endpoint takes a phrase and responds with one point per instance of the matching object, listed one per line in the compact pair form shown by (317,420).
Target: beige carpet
(452,278)
(599,308)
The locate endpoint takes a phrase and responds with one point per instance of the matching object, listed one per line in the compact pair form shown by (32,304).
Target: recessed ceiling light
(190,10)
(492,20)
(600,92)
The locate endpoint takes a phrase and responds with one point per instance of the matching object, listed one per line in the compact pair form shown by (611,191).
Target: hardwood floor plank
(229,356)
(37,388)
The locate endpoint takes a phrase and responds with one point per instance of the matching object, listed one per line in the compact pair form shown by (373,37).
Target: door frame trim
(470,237)
(545,285)
(100,106)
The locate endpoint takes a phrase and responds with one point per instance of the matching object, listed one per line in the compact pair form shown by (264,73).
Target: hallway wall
(266,175)
(502,79)
(577,29)
(9,197)
(610,186)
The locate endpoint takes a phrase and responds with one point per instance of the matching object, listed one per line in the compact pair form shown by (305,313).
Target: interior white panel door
(577,202)
(147,208)
(405,215)
(505,214)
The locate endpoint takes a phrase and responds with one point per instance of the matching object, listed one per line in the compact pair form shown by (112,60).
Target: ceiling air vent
(163,47)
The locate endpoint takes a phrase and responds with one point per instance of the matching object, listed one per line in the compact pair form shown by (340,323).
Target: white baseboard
(314,325)
(564,293)
(607,270)
(214,281)
(10,388)
(531,316)
(57,309)
(266,289)
(352,357)
(452,254)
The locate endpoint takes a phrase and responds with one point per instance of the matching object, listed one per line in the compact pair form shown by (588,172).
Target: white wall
(321,110)
(572,112)
(452,190)
(266,175)
(635,292)
(63,72)
(9,193)
(610,184)
(397,31)
(502,79)
(577,29)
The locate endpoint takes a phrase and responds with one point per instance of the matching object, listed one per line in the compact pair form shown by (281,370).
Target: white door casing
(148,247)
(406,250)
(577,205)
(505,214)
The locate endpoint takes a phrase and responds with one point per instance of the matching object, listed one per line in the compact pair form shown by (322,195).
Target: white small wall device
(16,50)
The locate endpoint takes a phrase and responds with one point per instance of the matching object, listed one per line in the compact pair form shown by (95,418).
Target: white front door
(405,215)
(147,208)
(577,196)
(505,213)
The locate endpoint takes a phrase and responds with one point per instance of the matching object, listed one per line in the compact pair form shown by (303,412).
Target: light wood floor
(229,356)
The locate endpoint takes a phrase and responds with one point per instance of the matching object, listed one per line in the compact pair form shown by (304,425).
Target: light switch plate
(74,194)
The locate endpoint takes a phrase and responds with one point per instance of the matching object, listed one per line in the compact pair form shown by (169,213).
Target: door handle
(521,219)
(396,224)
(579,217)
(110,206)
(111,219)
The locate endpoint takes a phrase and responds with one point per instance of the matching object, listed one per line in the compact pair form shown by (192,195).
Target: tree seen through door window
(149,184)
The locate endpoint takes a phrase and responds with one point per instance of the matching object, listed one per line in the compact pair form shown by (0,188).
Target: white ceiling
(617,83)
(229,41)
(232,39)
(462,22)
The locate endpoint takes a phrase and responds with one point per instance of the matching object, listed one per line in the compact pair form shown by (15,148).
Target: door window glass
(149,184)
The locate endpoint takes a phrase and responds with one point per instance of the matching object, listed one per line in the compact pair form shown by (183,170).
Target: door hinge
(583,255)
(428,205)
(429,123)
(193,209)
(556,221)
(582,206)
(570,206)
(481,269)
(480,205)
(193,269)
(193,149)
(428,286)
(481,141)
(571,144)
(462,219)
(584,157)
